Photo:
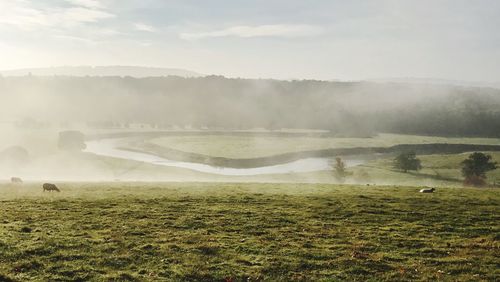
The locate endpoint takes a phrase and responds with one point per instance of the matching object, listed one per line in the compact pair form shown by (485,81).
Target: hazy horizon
(152,71)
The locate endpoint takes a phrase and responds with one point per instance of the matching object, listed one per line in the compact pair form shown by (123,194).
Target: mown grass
(247,232)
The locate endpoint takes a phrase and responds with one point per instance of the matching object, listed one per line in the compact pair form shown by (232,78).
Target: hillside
(215,102)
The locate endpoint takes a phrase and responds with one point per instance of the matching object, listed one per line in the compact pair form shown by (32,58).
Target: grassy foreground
(247,232)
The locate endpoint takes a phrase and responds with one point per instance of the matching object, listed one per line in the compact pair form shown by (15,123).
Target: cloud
(243,31)
(145,44)
(76,39)
(84,15)
(93,4)
(17,13)
(144,27)
(26,15)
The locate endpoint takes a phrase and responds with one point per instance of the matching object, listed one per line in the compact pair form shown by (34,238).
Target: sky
(283,39)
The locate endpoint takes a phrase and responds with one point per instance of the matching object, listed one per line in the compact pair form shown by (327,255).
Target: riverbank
(352,156)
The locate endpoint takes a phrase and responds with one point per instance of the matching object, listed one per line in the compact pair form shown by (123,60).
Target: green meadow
(247,232)
(261,146)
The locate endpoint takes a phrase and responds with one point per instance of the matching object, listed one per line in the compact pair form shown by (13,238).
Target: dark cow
(16,180)
(50,187)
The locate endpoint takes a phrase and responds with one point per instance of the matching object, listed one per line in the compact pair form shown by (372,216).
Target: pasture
(240,147)
(46,161)
(247,232)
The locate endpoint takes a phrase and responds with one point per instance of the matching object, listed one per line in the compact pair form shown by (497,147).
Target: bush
(15,155)
(476,181)
(407,161)
(474,169)
(71,141)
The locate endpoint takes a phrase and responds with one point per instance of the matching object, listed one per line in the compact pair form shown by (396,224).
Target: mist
(187,89)
(215,102)
(260,113)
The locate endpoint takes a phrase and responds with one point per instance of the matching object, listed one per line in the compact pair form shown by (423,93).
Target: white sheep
(427,190)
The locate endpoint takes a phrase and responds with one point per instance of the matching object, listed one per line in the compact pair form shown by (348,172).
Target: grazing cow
(50,187)
(427,190)
(16,180)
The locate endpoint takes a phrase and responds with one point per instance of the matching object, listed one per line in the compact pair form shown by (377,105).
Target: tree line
(214,102)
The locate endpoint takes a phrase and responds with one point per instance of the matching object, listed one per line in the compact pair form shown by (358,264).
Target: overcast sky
(321,39)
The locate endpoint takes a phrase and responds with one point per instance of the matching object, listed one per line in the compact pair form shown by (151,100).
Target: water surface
(109,148)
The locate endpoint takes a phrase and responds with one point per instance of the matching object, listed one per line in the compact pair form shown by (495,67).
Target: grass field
(252,147)
(247,232)
(437,170)
(47,162)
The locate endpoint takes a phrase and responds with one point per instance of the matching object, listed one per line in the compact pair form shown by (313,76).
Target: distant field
(436,170)
(240,147)
(47,162)
(247,232)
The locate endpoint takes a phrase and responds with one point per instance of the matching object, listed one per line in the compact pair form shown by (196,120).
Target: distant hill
(216,102)
(132,71)
(435,81)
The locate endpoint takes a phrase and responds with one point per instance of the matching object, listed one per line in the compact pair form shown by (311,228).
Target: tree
(339,169)
(15,156)
(407,161)
(474,168)
(71,141)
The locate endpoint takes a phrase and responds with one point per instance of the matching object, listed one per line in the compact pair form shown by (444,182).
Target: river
(109,148)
